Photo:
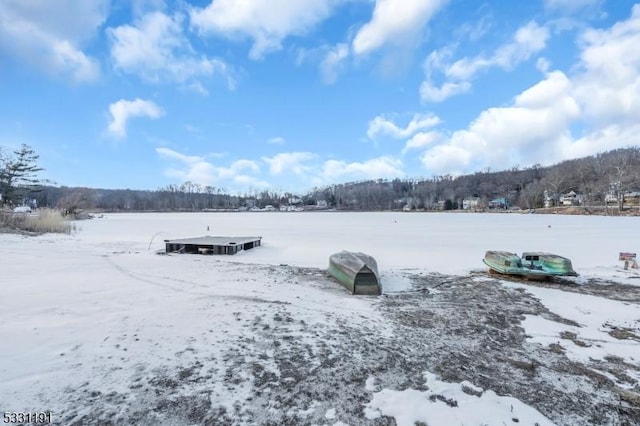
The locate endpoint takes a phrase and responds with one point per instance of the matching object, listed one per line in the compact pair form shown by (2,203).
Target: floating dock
(212,245)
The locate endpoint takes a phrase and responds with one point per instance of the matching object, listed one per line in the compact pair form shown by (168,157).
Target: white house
(470,203)
(571,199)
(295,200)
(549,199)
(610,198)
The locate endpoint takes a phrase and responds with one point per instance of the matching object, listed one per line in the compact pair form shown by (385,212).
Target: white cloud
(607,138)
(266,22)
(527,41)
(543,65)
(601,100)
(421,140)
(376,168)
(197,169)
(244,181)
(241,165)
(286,167)
(381,126)
(431,93)
(277,140)
(609,86)
(570,6)
(156,49)
(394,22)
(293,162)
(142,7)
(533,130)
(446,159)
(333,63)
(122,110)
(46,35)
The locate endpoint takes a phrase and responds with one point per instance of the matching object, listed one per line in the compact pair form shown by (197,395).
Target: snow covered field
(97,328)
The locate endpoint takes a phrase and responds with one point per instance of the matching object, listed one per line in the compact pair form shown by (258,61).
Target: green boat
(506,263)
(358,272)
(532,265)
(550,263)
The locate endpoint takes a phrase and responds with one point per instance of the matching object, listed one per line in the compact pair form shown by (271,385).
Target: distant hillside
(612,176)
(609,176)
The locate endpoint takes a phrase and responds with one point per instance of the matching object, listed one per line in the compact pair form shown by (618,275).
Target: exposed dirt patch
(594,287)
(284,371)
(623,334)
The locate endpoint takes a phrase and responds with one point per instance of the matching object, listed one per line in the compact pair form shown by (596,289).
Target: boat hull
(358,272)
(550,263)
(506,263)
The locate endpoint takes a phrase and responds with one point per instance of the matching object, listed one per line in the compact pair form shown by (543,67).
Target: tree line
(611,175)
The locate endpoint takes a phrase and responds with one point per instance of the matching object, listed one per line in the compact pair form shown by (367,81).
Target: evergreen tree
(18,175)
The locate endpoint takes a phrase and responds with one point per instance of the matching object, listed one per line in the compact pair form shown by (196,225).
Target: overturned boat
(506,263)
(358,272)
(548,262)
(532,265)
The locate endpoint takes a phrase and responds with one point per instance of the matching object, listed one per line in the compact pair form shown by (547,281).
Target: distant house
(322,204)
(549,199)
(295,200)
(610,198)
(632,197)
(284,208)
(571,199)
(470,203)
(499,203)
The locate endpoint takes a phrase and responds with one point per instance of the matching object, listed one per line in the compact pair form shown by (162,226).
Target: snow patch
(448,403)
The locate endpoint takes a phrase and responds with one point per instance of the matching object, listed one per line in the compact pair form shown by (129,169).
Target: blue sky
(288,95)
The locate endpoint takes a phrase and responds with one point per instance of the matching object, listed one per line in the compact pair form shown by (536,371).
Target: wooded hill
(612,175)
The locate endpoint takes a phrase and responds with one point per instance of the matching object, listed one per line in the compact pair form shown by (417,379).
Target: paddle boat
(532,265)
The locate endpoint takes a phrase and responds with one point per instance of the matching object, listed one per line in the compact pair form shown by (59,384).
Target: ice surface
(101,309)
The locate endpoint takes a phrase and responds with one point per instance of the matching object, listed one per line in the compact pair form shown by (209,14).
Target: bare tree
(79,199)
(623,174)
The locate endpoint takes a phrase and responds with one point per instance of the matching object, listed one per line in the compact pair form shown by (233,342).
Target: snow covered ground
(97,328)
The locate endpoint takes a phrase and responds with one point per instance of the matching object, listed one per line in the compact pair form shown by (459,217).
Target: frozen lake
(101,329)
(441,242)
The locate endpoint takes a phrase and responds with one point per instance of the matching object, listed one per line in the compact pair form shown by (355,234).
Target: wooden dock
(212,245)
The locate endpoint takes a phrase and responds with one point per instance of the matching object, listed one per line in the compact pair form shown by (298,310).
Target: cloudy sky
(292,94)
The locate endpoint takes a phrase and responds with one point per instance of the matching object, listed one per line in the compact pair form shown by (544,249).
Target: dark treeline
(610,175)
(185,197)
